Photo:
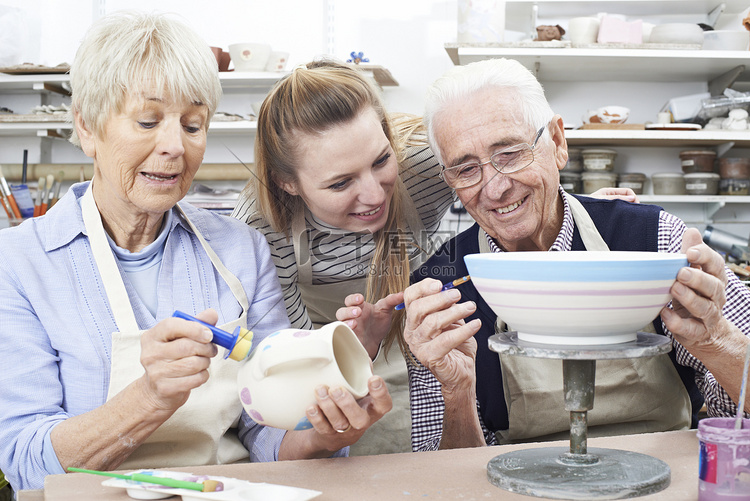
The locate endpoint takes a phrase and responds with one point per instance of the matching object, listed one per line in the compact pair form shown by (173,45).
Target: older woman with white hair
(96,371)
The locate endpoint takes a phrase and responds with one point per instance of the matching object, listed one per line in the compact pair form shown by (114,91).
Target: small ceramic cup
(583,30)
(277,383)
(277,61)
(249,56)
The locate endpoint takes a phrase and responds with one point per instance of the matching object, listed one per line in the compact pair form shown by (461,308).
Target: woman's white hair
(461,82)
(124,51)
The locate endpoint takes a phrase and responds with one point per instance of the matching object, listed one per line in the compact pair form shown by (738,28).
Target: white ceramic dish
(679,33)
(234,489)
(575,298)
(673,126)
(726,40)
(607,115)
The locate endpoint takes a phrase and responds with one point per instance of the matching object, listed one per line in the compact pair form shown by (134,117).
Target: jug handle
(275,357)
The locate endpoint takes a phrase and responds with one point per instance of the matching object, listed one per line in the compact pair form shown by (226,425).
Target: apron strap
(299,238)
(234,283)
(592,240)
(105,261)
(413,219)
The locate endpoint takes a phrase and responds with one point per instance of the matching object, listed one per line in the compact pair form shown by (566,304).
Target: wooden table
(451,474)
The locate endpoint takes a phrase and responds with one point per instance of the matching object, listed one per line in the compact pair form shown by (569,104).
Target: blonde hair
(123,50)
(313,98)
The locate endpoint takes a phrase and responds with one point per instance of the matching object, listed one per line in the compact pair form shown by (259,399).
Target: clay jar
(571,181)
(702,183)
(599,160)
(697,161)
(668,183)
(593,181)
(277,383)
(734,168)
(633,180)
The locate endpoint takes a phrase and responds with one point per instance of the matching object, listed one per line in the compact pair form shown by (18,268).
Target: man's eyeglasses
(505,161)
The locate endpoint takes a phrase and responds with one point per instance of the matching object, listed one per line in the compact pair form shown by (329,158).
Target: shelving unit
(232,83)
(522,14)
(562,64)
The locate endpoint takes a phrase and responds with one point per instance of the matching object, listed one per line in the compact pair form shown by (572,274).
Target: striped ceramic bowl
(575,298)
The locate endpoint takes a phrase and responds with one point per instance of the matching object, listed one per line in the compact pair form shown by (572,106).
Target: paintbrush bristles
(212,486)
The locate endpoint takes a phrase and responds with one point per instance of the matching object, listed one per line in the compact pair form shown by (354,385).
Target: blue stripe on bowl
(491,289)
(574,267)
(547,308)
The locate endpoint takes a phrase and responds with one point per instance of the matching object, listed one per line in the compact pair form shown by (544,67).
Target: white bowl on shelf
(677,33)
(726,40)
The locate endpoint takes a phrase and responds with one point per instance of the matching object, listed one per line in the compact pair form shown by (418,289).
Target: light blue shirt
(56,324)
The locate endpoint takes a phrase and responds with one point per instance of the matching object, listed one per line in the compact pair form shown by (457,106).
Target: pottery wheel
(543,473)
(646,344)
(579,472)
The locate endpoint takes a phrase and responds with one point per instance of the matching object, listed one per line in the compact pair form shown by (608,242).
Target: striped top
(339,255)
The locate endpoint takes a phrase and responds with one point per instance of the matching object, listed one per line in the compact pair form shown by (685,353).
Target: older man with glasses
(502,147)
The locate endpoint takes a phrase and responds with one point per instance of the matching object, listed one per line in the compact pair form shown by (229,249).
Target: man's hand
(437,335)
(698,297)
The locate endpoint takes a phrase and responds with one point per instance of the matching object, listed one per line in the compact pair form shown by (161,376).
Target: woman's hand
(339,420)
(616,194)
(175,354)
(371,322)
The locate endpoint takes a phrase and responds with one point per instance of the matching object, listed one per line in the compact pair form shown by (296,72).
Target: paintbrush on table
(205,486)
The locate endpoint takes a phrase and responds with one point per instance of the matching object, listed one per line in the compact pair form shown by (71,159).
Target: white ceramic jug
(277,384)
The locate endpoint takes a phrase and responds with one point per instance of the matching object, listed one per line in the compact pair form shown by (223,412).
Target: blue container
(23,199)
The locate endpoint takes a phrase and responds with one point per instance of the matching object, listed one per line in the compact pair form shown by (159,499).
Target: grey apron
(635,395)
(392,433)
(202,431)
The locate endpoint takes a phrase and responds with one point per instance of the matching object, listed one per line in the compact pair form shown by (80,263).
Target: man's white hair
(461,82)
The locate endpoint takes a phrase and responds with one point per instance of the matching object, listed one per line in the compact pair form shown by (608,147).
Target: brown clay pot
(734,168)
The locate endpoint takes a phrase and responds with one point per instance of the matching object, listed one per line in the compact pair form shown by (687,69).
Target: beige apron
(204,429)
(392,433)
(634,395)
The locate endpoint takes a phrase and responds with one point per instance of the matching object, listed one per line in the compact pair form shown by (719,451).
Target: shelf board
(33,83)
(695,199)
(42,129)
(228,128)
(574,64)
(231,81)
(519,11)
(657,138)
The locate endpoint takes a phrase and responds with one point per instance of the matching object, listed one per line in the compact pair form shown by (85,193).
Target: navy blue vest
(622,225)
